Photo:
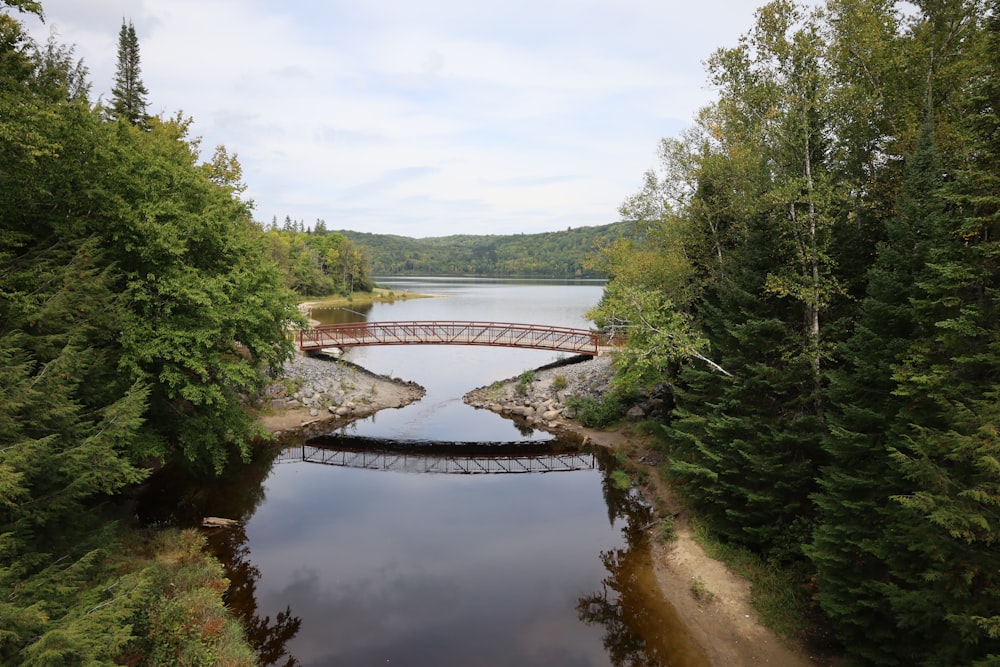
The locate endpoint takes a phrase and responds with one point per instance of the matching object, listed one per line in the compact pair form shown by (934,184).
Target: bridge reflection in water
(452,458)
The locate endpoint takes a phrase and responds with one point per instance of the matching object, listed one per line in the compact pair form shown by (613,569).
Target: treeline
(819,292)
(139,307)
(317,262)
(547,255)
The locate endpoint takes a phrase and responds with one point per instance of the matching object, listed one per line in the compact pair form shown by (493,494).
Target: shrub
(621,480)
(595,412)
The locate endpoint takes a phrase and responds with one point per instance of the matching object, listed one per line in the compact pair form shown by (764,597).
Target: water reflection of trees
(179,497)
(269,638)
(621,606)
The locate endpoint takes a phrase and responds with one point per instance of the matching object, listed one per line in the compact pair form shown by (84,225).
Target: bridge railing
(452,332)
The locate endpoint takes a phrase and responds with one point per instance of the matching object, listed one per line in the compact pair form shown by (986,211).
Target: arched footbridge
(451,332)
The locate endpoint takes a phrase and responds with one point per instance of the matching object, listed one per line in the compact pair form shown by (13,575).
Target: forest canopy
(139,308)
(819,295)
(562,254)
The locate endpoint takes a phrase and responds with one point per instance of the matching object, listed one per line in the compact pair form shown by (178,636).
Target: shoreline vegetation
(376,295)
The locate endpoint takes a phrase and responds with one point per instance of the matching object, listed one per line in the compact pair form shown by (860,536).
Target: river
(336,565)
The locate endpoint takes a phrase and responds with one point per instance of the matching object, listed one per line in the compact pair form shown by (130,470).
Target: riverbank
(377,295)
(316,393)
(714,603)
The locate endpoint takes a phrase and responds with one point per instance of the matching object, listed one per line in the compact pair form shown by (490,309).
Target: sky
(420,117)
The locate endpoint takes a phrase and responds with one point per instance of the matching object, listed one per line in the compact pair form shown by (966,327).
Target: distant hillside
(546,255)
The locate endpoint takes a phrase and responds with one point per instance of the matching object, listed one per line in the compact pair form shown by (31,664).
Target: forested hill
(550,255)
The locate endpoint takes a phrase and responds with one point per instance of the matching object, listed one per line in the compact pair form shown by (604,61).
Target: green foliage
(109,606)
(186,622)
(549,255)
(700,592)
(523,383)
(824,316)
(320,264)
(559,382)
(667,529)
(621,480)
(128,96)
(780,595)
(595,412)
(138,310)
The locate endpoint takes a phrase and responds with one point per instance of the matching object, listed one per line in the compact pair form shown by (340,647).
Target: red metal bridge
(438,332)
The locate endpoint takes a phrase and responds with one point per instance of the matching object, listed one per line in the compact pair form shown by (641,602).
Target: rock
(551,415)
(636,412)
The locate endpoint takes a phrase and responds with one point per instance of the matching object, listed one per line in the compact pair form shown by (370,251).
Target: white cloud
(426,117)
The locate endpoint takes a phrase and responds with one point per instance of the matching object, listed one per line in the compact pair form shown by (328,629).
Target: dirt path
(723,623)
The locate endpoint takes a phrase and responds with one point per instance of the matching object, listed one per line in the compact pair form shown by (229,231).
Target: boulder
(635,412)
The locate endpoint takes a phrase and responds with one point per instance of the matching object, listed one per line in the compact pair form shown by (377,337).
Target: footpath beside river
(318,392)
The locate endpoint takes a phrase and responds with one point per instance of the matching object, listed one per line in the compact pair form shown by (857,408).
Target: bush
(621,480)
(595,412)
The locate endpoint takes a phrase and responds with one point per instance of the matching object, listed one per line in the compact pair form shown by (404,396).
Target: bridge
(450,332)
(458,461)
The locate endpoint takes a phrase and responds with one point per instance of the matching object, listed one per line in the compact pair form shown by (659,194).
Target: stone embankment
(317,391)
(542,397)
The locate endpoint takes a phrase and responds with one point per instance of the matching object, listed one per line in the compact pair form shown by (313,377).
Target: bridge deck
(450,332)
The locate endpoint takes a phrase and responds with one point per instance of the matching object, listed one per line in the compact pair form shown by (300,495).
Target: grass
(523,382)
(700,591)
(621,480)
(667,529)
(776,592)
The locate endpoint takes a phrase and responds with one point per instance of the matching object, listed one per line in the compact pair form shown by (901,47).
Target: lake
(338,565)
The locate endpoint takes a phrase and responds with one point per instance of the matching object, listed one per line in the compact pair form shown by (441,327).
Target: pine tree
(906,551)
(859,533)
(129,93)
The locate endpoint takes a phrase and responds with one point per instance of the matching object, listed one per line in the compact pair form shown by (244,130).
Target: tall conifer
(128,97)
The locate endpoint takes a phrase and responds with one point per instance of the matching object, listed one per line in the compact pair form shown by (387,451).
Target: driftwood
(217,522)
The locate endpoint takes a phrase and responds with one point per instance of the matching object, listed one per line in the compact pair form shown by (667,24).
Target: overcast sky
(421,117)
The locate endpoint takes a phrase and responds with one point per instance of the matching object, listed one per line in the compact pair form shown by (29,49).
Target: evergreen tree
(128,96)
(747,446)
(862,532)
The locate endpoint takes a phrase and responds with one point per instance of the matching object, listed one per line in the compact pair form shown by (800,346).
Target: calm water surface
(344,566)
